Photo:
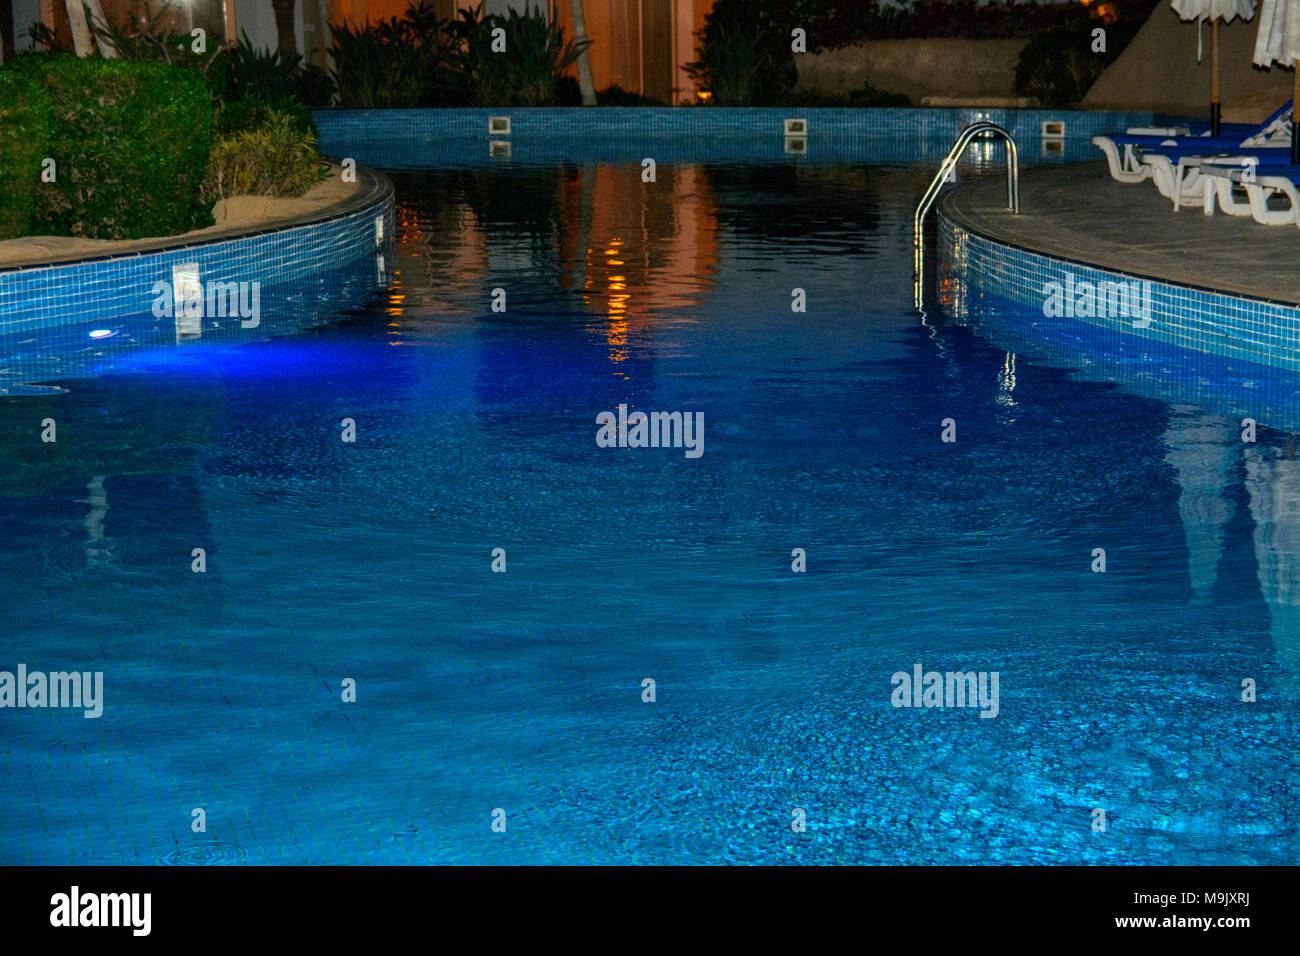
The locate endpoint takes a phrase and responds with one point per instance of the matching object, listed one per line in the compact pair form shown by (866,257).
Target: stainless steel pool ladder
(918,222)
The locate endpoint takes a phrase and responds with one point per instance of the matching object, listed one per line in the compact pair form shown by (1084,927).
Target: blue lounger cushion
(1125,166)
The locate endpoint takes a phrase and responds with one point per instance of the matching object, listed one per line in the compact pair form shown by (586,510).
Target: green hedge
(131,141)
(24,142)
(255,109)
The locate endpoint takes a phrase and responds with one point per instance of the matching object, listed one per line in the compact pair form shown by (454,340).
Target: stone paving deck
(1078,212)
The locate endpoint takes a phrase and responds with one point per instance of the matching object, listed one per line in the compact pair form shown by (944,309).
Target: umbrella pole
(1216,125)
(1295,127)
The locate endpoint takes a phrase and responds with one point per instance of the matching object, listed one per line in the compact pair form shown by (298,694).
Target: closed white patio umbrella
(1215,11)
(1279,42)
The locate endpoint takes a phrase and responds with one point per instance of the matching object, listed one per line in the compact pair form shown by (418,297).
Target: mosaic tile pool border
(1220,323)
(108,288)
(413,137)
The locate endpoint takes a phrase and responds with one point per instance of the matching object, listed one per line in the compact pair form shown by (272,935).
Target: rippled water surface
(475,430)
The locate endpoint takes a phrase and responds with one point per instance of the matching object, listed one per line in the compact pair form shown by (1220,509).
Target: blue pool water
(522,690)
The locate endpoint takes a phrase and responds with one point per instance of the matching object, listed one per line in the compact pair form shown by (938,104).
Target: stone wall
(917,68)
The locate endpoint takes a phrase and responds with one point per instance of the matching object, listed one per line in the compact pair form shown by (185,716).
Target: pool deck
(1078,212)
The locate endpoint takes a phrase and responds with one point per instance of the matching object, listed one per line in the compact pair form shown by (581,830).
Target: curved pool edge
(1202,316)
(117,284)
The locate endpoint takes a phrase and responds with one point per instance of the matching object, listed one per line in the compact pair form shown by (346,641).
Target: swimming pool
(479,691)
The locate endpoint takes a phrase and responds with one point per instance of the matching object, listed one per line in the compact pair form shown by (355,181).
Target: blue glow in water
(370,560)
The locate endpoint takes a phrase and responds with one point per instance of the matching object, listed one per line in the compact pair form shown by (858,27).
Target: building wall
(626,34)
(26,12)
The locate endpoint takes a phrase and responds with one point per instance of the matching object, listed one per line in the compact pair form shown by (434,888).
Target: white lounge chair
(1261,182)
(1123,151)
(1176,171)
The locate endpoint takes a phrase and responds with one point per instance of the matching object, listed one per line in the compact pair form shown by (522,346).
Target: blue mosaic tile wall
(1232,326)
(413,138)
(112,289)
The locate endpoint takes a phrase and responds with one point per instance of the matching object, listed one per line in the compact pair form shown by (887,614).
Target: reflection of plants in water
(795,199)
(518,199)
(540,202)
(448,221)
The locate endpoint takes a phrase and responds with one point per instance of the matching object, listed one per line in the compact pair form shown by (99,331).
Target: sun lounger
(1261,181)
(1176,171)
(1123,155)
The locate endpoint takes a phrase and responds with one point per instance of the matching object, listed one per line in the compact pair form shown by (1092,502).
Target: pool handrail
(918,221)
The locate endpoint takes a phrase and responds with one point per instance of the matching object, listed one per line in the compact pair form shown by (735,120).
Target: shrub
(1058,65)
(315,85)
(145,34)
(255,110)
(272,154)
(275,75)
(130,140)
(392,63)
(864,96)
(735,68)
(528,74)
(744,56)
(743,59)
(991,20)
(868,95)
(268,73)
(567,91)
(24,142)
(617,96)
(422,60)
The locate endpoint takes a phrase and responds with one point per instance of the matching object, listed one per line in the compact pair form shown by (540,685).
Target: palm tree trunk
(324,36)
(99,22)
(230,23)
(82,44)
(585,83)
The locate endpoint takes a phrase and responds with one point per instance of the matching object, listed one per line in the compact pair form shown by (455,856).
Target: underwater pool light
(102,333)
